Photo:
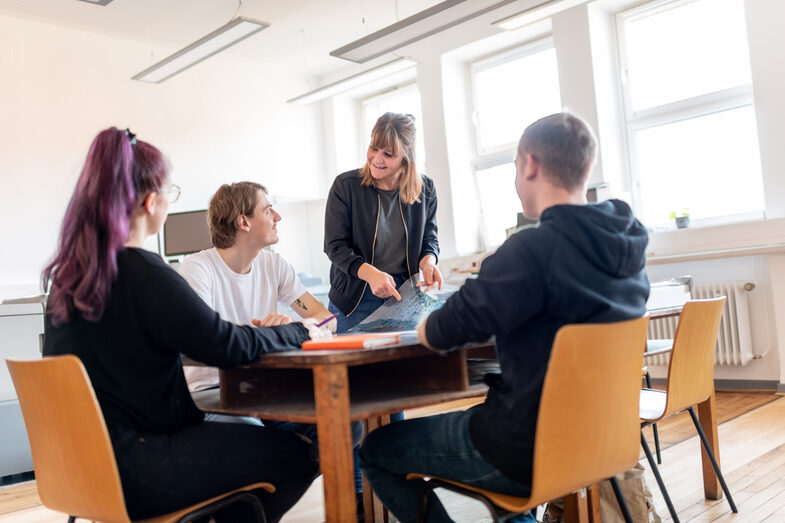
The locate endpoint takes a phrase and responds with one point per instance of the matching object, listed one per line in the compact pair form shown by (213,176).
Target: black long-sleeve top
(583,264)
(132,354)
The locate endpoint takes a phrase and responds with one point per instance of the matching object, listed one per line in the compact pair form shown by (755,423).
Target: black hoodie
(582,264)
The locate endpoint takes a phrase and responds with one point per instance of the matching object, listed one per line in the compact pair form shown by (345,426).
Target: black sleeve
(338,243)
(430,240)
(177,319)
(510,289)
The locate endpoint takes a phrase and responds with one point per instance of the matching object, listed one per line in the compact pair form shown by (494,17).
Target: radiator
(734,340)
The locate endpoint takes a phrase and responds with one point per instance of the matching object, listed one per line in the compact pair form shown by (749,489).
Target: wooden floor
(752,442)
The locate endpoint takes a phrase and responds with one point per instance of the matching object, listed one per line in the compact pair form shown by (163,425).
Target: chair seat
(652,404)
(655,347)
(175,516)
(509,503)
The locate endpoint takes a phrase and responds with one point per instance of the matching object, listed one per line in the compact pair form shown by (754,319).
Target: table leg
(595,510)
(576,508)
(331,393)
(708,421)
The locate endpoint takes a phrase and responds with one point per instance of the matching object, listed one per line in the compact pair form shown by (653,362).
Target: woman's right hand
(382,284)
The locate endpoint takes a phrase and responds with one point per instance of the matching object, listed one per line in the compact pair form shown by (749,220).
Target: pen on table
(324,321)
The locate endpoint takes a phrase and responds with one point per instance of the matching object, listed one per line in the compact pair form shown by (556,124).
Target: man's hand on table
(421,337)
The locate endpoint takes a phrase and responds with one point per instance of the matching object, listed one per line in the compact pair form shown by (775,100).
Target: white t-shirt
(238,298)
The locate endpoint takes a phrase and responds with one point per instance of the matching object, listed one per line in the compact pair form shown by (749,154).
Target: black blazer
(350,227)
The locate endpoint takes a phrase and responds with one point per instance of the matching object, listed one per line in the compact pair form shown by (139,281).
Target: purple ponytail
(116,176)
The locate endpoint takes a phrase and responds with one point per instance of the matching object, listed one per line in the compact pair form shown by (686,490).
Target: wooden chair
(690,381)
(75,468)
(655,348)
(587,426)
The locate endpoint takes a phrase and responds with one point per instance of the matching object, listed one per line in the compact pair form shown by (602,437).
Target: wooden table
(333,388)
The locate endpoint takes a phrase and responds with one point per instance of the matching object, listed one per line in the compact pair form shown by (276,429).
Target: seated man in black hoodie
(582,264)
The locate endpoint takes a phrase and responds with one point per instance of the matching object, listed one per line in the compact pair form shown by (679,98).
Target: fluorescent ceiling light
(537,13)
(225,36)
(416,27)
(353,81)
(97,2)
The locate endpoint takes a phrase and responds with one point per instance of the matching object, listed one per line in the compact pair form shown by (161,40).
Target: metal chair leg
(654,426)
(656,443)
(625,511)
(713,460)
(657,476)
(71,519)
(423,508)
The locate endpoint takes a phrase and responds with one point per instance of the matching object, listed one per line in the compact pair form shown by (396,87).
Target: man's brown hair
(229,202)
(564,145)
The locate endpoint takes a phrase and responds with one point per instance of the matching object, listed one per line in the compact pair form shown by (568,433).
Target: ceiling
(300,36)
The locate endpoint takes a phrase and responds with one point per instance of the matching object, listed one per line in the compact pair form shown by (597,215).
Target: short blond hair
(229,202)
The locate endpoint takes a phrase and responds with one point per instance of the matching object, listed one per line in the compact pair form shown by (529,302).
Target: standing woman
(380,224)
(128,316)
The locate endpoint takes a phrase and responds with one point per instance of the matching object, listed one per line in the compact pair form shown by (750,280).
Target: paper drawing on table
(404,315)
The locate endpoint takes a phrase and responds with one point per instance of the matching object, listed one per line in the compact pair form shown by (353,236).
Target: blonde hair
(396,132)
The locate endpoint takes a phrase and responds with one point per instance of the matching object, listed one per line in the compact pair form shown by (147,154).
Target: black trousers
(161,473)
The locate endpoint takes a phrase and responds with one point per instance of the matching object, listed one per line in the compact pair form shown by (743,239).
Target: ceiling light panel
(354,81)
(416,27)
(225,36)
(537,13)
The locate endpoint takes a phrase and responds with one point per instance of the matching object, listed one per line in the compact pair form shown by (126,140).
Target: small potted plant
(682,218)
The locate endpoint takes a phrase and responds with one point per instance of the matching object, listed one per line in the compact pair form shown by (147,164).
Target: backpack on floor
(636,494)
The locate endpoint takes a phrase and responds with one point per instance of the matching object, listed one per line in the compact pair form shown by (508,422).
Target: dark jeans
(306,429)
(437,445)
(161,473)
(368,304)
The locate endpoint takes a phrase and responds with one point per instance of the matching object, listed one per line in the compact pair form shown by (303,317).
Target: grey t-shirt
(390,250)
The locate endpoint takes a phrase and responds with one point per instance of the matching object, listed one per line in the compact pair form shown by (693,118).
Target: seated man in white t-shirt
(244,283)
(238,278)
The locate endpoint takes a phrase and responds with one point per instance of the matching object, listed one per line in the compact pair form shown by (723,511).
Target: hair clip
(131,136)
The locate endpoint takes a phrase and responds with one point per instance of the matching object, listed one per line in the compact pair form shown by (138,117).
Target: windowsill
(722,241)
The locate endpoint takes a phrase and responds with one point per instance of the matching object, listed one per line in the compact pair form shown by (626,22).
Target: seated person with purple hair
(128,316)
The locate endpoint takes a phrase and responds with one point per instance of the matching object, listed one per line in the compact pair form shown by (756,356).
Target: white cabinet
(21,331)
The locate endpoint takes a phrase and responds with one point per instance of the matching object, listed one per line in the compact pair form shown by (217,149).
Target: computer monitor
(186,233)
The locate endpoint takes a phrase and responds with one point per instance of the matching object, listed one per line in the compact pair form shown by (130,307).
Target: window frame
(529,48)
(680,110)
(502,154)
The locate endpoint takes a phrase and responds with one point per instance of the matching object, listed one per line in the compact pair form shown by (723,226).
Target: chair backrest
(588,427)
(691,368)
(75,468)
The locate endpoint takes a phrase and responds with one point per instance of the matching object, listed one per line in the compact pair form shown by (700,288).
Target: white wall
(224,120)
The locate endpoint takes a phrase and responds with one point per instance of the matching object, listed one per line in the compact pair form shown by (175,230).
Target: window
(690,115)
(404,100)
(510,90)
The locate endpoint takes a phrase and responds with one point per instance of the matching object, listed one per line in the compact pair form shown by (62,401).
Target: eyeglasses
(172,192)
